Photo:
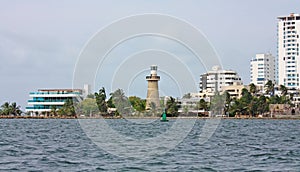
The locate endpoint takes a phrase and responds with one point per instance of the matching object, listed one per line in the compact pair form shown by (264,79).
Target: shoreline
(289,117)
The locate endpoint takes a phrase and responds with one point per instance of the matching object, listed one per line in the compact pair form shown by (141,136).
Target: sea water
(236,145)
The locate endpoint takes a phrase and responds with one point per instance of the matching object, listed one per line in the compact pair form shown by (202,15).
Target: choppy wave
(237,145)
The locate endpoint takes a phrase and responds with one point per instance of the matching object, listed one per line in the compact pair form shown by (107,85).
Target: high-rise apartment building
(288,61)
(262,69)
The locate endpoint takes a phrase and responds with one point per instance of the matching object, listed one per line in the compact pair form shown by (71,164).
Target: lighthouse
(152,101)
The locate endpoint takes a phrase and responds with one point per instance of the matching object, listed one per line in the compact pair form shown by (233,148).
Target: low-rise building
(234,90)
(44,100)
(190,105)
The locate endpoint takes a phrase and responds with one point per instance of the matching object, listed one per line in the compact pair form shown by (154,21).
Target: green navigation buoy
(164,117)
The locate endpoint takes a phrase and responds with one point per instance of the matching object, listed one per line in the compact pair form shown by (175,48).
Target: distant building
(44,100)
(288,61)
(203,95)
(214,80)
(296,101)
(262,69)
(234,90)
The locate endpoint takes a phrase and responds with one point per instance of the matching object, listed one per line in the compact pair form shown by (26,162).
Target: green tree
(236,107)
(252,89)
(227,102)
(171,107)
(283,90)
(202,105)
(269,86)
(100,100)
(246,102)
(10,109)
(121,102)
(67,109)
(252,106)
(274,100)
(263,105)
(110,102)
(15,109)
(5,109)
(284,94)
(53,111)
(88,106)
(137,103)
(244,105)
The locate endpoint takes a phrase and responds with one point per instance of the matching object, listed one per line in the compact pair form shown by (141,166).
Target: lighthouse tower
(152,93)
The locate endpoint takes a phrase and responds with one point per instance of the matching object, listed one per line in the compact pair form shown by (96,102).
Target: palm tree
(269,88)
(263,105)
(171,107)
(246,101)
(67,109)
(202,104)
(10,109)
(236,108)
(5,109)
(252,106)
(283,90)
(15,109)
(121,102)
(252,89)
(53,110)
(100,100)
(228,100)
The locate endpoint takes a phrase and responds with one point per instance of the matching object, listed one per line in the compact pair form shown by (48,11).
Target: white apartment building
(262,69)
(214,80)
(288,60)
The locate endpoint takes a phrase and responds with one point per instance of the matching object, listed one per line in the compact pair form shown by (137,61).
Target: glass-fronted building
(46,99)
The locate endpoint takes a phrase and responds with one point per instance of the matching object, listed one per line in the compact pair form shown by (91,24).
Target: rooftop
(63,90)
(292,16)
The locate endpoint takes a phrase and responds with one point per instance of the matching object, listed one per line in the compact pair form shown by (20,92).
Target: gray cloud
(40,41)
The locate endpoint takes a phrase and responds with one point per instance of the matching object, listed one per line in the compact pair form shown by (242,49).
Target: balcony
(55,100)
(47,93)
(153,77)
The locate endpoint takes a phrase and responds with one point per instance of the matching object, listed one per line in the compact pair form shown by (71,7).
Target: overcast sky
(41,40)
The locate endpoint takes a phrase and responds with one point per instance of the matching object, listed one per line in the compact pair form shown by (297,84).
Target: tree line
(10,109)
(252,102)
(98,103)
